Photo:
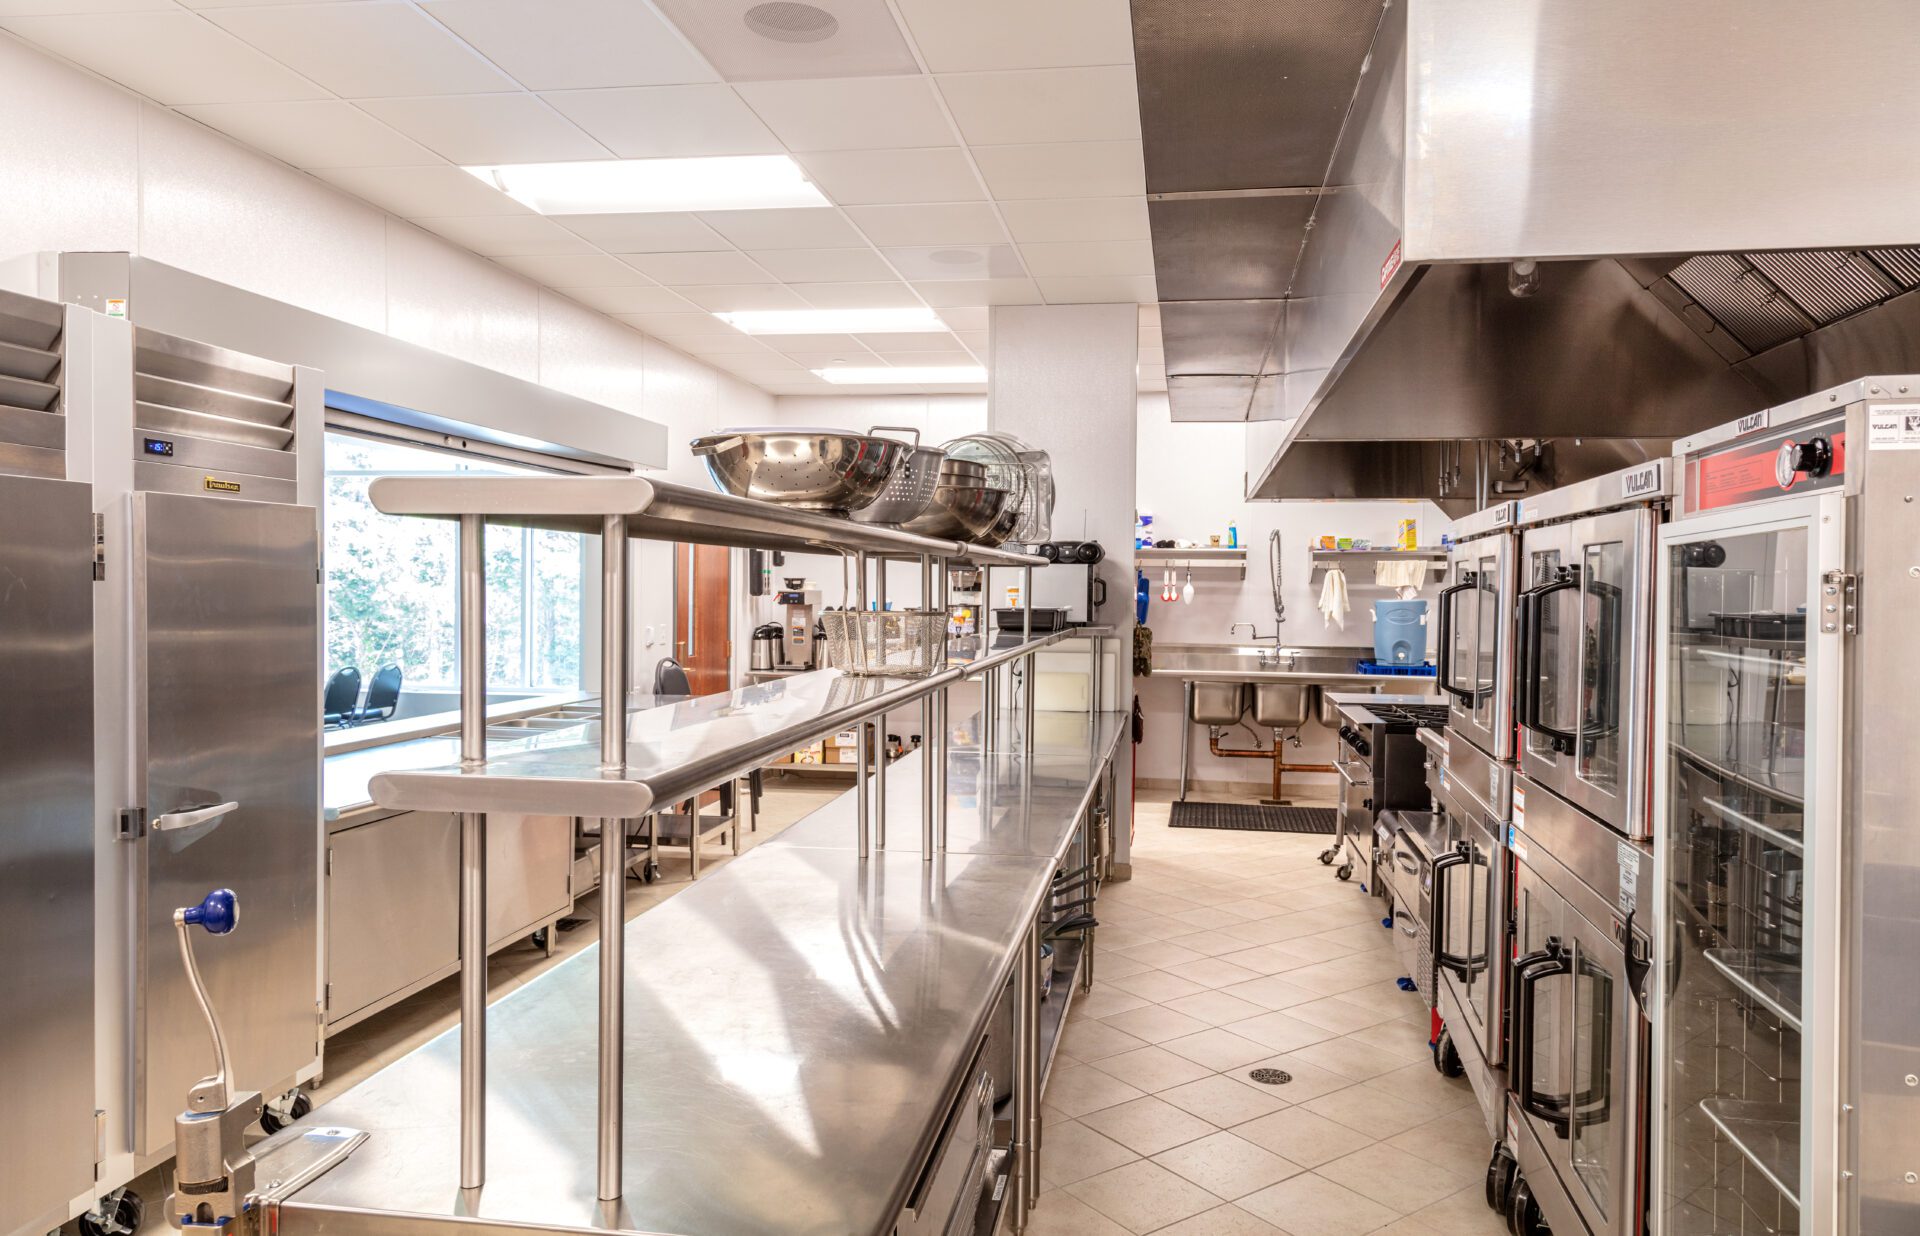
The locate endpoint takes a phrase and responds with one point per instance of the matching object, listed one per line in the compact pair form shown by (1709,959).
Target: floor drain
(1271,1077)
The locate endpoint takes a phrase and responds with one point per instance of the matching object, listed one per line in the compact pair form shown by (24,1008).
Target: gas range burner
(1423,716)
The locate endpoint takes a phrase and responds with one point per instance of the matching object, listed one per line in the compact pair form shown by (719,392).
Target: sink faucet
(1253,633)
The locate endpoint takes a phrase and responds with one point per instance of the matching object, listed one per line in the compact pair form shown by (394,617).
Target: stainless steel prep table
(791,1030)
(794,1033)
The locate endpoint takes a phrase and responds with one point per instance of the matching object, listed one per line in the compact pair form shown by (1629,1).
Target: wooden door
(702,595)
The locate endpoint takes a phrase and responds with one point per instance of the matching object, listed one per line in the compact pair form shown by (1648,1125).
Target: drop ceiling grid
(1005,91)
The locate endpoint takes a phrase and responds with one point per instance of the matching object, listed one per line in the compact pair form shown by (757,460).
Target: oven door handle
(1443,669)
(1347,777)
(1529,972)
(1459,964)
(1536,610)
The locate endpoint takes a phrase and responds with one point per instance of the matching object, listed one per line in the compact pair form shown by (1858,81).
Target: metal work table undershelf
(795,1035)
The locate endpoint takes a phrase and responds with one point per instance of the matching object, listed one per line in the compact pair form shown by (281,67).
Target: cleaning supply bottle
(1233,535)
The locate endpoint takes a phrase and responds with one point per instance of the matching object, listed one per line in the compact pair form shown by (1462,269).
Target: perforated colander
(911,486)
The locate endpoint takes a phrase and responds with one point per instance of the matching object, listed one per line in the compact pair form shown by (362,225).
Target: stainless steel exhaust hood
(1474,262)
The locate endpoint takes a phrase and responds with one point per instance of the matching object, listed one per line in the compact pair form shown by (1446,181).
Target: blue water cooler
(1400,632)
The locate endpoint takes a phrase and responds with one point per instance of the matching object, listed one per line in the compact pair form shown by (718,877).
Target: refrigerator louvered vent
(33,432)
(210,420)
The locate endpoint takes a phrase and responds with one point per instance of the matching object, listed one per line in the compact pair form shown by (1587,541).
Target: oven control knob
(1814,457)
(1362,745)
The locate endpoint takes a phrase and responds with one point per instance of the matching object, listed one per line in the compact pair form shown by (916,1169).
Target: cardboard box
(845,738)
(809,755)
(841,755)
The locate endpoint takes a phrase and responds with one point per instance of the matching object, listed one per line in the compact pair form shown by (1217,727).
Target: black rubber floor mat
(1251,817)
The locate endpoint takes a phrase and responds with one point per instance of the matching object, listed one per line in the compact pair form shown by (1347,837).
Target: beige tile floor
(1227,952)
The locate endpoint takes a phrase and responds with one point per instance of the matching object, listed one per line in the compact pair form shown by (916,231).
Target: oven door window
(1486,624)
(1463,640)
(1603,653)
(1551,674)
(1594,1118)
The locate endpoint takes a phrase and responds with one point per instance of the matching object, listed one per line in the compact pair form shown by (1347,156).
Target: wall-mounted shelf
(1194,559)
(1346,558)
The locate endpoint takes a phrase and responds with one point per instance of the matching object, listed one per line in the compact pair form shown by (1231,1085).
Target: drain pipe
(1280,766)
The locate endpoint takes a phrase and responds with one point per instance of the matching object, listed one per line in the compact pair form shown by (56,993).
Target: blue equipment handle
(218,912)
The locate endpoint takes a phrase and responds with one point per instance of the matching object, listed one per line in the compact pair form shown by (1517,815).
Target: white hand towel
(1400,573)
(1333,598)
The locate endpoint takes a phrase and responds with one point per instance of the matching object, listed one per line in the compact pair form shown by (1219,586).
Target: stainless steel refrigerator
(47,1134)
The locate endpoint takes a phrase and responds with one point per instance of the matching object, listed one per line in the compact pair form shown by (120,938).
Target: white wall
(85,165)
(1191,476)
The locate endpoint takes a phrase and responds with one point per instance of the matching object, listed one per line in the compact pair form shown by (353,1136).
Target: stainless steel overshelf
(996,803)
(659,511)
(672,752)
(789,1041)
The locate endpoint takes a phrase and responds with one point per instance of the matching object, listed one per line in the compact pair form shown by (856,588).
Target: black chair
(341,697)
(383,696)
(670,678)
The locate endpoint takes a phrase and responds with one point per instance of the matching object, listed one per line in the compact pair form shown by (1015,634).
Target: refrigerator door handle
(193,816)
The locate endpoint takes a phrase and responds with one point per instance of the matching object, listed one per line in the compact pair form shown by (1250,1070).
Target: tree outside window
(393,587)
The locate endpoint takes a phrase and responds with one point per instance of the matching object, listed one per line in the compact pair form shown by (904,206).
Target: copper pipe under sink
(1280,766)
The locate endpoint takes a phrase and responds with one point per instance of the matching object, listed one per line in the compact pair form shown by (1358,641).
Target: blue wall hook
(218,912)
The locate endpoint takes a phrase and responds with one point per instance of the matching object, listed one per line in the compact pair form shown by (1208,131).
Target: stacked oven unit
(1472,783)
(159,631)
(1786,1061)
(1580,902)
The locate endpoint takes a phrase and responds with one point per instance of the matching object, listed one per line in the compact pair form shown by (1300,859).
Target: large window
(392,586)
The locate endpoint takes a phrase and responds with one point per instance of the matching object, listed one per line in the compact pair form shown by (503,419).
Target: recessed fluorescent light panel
(833,321)
(647,186)
(906,375)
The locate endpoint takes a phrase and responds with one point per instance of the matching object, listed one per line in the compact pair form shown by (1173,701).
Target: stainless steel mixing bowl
(958,512)
(813,469)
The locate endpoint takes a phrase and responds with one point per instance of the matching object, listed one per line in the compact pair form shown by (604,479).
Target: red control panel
(1802,459)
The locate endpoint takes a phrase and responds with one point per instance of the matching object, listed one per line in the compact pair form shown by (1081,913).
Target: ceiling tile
(732,297)
(1156,357)
(1019,34)
(865,177)
(844,347)
(488,128)
(312,133)
(854,355)
(976,340)
(630,300)
(1150,316)
(680,325)
(665,232)
(940,223)
(910,341)
(33,8)
(956,262)
(887,295)
(1098,290)
(979,292)
(569,271)
(423,192)
(731,343)
(1077,218)
(965,318)
(171,57)
(948,356)
(852,113)
(507,235)
(1045,105)
(1063,169)
(802,228)
(751,41)
(724,266)
(1092,257)
(570,44)
(365,51)
(664,122)
(823,265)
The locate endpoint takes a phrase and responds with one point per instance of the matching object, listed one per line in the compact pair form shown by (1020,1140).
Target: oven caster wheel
(1523,1213)
(649,872)
(1446,1057)
(1501,1169)
(1327,857)
(1344,872)
(117,1214)
(284,1110)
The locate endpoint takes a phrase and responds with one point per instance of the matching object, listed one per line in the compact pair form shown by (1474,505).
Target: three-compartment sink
(1281,686)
